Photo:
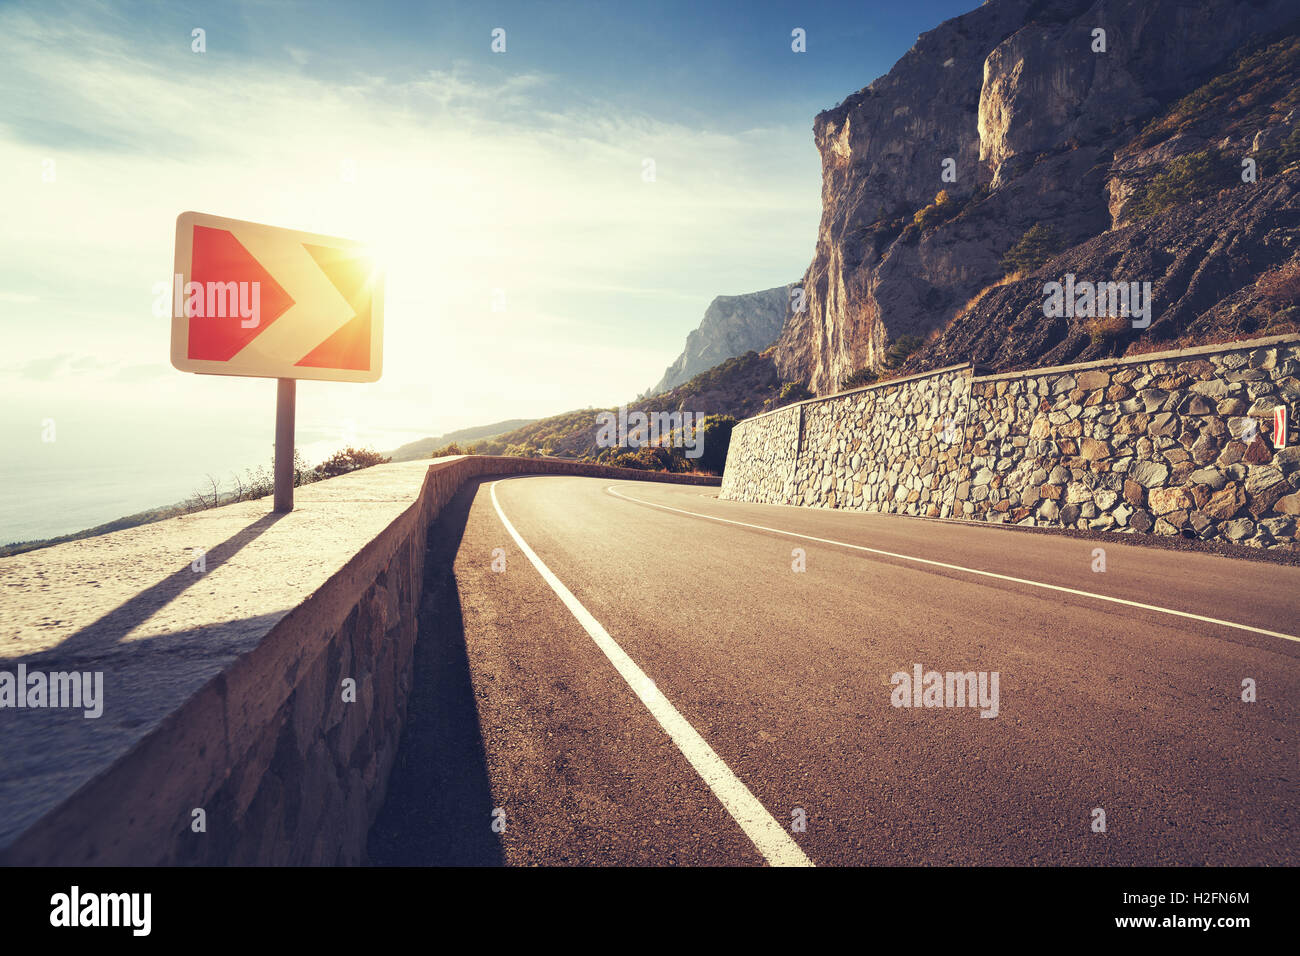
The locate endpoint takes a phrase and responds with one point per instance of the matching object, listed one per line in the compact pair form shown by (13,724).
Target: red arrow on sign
(218,257)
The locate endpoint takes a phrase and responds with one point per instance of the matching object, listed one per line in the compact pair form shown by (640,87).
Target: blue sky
(519,172)
(717,63)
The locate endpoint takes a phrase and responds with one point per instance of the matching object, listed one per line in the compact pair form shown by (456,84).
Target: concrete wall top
(129,605)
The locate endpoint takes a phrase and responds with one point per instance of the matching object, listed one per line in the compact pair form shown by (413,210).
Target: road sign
(1279,426)
(261,301)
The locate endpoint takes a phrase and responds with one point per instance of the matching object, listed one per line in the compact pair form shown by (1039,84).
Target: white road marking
(777,846)
(957,567)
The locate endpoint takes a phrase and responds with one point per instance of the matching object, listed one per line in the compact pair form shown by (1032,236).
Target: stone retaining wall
(1146,444)
(890,447)
(223,689)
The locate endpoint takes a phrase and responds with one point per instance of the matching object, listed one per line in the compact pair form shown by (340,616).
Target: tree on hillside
(863,376)
(793,392)
(1039,243)
(716,440)
(903,346)
(350,459)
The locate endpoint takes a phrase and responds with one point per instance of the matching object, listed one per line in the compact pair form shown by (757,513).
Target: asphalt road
(694,697)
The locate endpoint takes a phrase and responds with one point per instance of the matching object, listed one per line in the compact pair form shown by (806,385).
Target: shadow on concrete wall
(439,803)
(103,633)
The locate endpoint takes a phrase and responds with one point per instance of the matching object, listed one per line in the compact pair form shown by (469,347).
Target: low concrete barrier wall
(226,641)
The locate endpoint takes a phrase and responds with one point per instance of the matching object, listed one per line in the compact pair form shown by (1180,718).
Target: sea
(93,471)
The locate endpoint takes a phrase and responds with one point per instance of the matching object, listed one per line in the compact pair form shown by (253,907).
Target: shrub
(260,481)
(863,376)
(942,208)
(1281,286)
(793,392)
(650,458)
(1284,320)
(1189,177)
(886,230)
(1039,243)
(445,450)
(349,459)
(903,346)
(627,459)
(717,440)
(1105,327)
(646,458)
(303,474)
(1273,161)
(257,483)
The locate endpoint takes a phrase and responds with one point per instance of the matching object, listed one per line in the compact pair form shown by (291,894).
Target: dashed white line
(957,567)
(771,840)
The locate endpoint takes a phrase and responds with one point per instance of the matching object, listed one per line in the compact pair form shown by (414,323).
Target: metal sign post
(285,401)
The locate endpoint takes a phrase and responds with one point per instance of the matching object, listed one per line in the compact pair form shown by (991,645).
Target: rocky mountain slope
(1124,163)
(732,325)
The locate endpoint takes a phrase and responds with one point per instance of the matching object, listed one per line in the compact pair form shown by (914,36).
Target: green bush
(650,458)
(1273,161)
(1039,243)
(793,392)
(1103,328)
(717,440)
(445,450)
(350,459)
(260,481)
(863,376)
(1189,177)
(942,208)
(903,347)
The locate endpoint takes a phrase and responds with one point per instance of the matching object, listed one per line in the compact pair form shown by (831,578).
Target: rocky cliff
(1127,156)
(732,325)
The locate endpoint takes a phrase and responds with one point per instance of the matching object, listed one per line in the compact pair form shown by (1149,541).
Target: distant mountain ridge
(732,325)
(423,447)
(740,386)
